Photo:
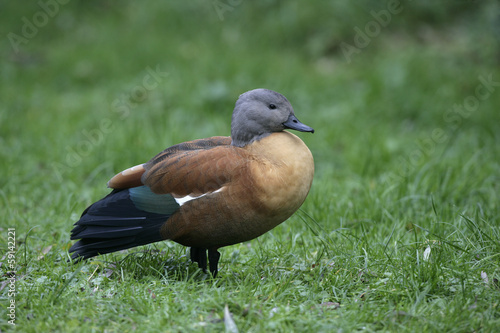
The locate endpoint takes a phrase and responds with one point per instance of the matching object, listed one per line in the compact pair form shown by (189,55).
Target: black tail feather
(114,223)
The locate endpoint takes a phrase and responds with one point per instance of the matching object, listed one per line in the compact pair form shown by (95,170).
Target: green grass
(398,172)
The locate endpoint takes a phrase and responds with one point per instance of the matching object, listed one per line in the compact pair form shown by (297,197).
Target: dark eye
(272,106)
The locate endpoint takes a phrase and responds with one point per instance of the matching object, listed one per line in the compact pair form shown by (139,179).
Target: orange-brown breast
(285,173)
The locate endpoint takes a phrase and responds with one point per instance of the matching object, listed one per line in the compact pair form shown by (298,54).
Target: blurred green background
(404,97)
(374,78)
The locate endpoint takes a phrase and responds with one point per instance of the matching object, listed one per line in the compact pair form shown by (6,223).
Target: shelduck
(207,193)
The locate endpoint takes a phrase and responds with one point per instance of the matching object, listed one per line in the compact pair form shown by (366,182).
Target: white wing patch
(181,201)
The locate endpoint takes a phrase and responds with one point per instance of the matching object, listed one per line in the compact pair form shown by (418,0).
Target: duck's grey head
(260,112)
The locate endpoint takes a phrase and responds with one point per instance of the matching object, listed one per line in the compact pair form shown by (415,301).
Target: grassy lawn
(401,229)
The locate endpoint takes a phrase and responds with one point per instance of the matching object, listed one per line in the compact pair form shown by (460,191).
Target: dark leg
(199,255)
(213,260)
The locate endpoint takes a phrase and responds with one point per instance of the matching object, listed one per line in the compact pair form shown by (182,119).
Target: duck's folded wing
(195,172)
(132,177)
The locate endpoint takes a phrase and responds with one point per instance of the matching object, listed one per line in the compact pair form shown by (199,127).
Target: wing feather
(195,172)
(132,177)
